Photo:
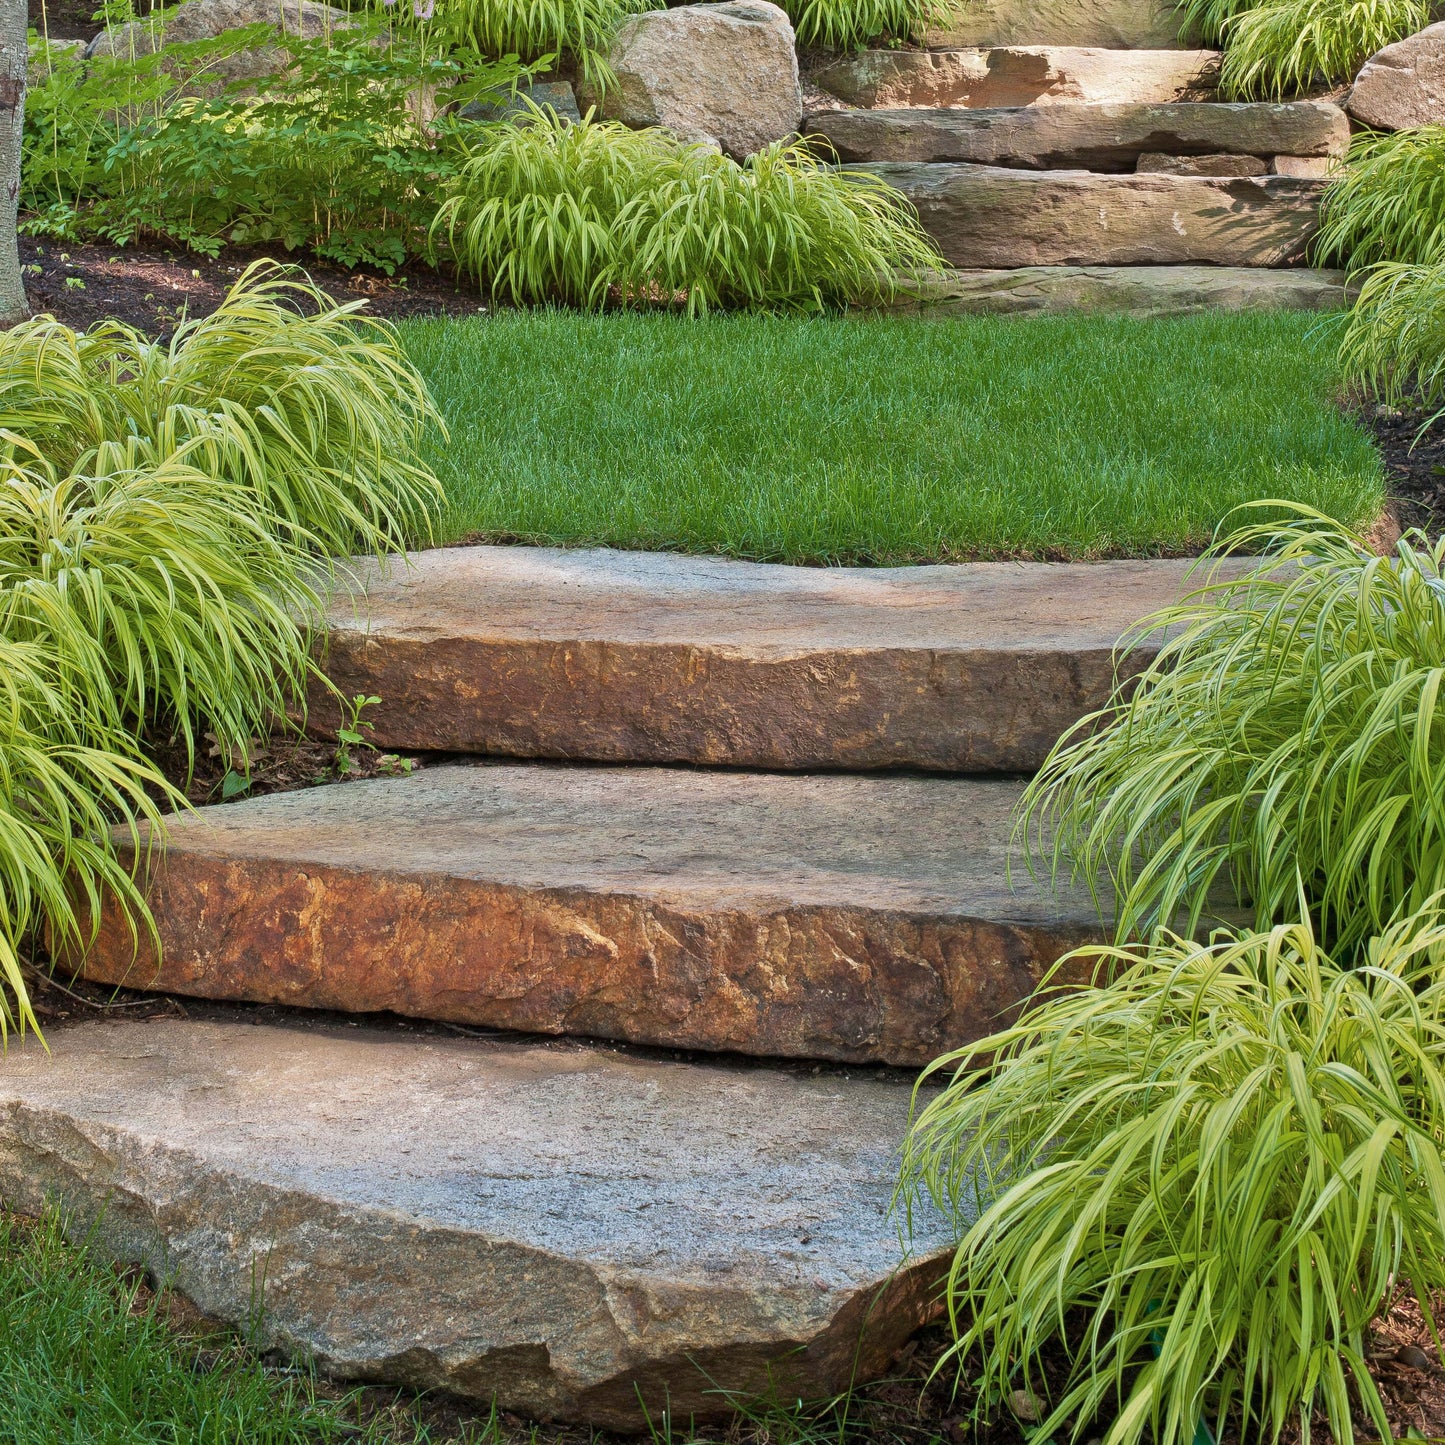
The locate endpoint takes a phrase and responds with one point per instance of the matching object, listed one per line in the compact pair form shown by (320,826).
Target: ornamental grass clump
(1287,743)
(847,24)
(1394,341)
(166,512)
(1200,1181)
(1389,204)
(1281,47)
(595,213)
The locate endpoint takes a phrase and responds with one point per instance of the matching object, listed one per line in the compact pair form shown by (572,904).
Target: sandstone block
(579,1234)
(1032,75)
(1087,136)
(723,74)
(1114,24)
(1311,167)
(1403,85)
(983,216)
(1153,163)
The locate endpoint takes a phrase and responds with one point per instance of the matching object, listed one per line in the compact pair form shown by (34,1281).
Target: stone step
(1111,138)
(1127,24)
(1018,75)
(1128,290)
(651,657)
(579,1233)
(987,216)
(864,919)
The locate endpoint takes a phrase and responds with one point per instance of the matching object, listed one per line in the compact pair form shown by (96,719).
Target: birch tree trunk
(13,20)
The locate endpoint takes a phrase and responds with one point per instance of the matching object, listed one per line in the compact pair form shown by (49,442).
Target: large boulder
(1403,85)
(726,75)
(206,19)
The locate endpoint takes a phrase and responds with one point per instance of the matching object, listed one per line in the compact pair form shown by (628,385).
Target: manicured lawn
(886,440)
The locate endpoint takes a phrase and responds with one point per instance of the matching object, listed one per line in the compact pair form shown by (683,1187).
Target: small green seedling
(352,733)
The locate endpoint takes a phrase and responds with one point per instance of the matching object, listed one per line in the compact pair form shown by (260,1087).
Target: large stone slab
(1403,85)
(987,216)
(721,74)
(648,657)
(1132,290)
(1117,24)
(1031,75)
(1084,136)
(838,917)
(574,1232)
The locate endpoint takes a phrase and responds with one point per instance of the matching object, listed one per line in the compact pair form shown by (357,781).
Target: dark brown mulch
(1414,463)
(67,19)
(151,288)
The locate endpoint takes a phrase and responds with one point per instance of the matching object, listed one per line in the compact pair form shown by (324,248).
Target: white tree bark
(13,20)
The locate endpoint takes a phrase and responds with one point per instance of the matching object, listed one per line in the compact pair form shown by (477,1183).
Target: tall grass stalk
(1226,1158)
(1289,734)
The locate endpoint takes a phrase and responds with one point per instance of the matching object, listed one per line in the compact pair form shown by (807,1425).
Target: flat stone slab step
(1109,138)
(653,657)
(989,216)
(1129,290)
(1018,75)
(835,917)
(575,1232)
(1122,23)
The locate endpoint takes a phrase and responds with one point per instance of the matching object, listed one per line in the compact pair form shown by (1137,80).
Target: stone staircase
(1059,176)
(761,814)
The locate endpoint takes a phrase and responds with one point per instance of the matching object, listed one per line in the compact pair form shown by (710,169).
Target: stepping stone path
(1055,153)
(819,902)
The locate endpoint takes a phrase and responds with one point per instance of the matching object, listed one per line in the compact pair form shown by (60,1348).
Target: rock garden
(723,723)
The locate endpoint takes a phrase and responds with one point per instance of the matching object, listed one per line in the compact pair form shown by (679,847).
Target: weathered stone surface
(561,1227)
(206,19)
(725,74)
(986,216)
(841,917)
(1032,75)
(1152,163)
(652,657)
(1133,290)
(1403,85)
(556,95)
(1116,24)
(1085,136)
(1313,167)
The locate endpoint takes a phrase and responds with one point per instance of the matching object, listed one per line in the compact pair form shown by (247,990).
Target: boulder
(725,75)
(556,95)
(1115,24)
(1017,75)
(206,19)
(985,216)
(1088,136)
(1155,163)
(573,1233)
(1403,85)
(1129,290)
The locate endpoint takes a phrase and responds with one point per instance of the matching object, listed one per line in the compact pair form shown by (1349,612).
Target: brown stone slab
(1022,75)
(650,657)
(579,1233)
(1129,26)
(1103,138)
(988,216)
(841,917)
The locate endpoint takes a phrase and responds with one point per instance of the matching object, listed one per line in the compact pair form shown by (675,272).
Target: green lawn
(886,439)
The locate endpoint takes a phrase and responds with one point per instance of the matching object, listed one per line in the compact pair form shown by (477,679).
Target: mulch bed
(1414,464)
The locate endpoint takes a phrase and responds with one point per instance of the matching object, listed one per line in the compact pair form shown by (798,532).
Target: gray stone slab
(988,216)
(1130,290)
(560,1227)
(650,657)
(817,916)
(1109,138)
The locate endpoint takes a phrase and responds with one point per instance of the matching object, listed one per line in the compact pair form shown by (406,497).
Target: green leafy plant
(846,24)
(1204,1178)
(1283,46)
(352,732)
(1389,204)
(1394,342)
(1288,735)
(596,212)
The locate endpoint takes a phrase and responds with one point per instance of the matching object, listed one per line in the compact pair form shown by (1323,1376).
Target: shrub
(1394,342)
(846,24)
(1226,1158)
(548,211)
(1282,46)
(164,513)
(1389,205)
(1288,736)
